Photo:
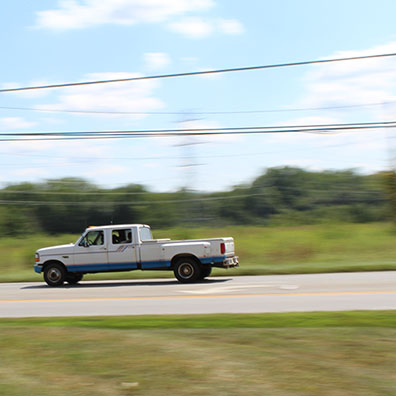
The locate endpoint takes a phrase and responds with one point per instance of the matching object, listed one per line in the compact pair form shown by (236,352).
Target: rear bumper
(231,262)
(226,262)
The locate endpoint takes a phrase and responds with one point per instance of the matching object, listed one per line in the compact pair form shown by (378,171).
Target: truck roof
(117,226)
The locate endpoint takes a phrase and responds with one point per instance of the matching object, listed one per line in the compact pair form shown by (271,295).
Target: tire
(73,278)
(187,270)
(55,274)
(205,272)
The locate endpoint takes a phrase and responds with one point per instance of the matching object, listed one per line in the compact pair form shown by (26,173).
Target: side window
(121,236)
(93,238)
(145,234)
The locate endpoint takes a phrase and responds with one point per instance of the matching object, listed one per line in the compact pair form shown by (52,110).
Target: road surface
(244,294)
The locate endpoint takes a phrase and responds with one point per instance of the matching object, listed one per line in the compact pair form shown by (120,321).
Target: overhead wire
(219,112)
(198,73)
(85,159)
(166,201)
(140,193)
(247,130)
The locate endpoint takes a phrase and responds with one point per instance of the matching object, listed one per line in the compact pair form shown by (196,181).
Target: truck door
(90,254)
(122,249)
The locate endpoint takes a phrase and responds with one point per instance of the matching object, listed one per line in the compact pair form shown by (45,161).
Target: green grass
(262,250)
(338,353)
(217,321)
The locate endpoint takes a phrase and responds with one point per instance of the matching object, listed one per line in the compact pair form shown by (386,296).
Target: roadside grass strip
(293,354)
(218,321)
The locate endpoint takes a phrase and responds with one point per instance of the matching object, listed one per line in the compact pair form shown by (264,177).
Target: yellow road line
(353,293)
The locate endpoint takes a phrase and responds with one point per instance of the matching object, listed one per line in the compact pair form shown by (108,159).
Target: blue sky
(49,42)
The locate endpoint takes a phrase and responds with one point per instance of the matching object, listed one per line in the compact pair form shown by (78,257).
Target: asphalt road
(244,294)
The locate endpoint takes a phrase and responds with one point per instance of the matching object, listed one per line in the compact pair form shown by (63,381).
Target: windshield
(92,238)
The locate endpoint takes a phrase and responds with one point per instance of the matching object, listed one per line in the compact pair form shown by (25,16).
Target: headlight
(37,257)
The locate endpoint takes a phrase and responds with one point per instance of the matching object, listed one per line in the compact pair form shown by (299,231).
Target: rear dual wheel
(205,272)
(187,270)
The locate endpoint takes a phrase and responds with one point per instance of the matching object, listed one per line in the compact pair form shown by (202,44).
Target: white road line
(225,289)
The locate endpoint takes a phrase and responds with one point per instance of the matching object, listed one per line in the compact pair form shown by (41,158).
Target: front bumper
(38,268)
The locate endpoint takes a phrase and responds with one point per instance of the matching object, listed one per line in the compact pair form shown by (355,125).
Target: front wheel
(187,270)
(54,274)
(73,278)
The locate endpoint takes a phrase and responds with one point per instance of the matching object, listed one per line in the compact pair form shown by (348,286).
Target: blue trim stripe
(119,266)
(156,264)
(210,260)
(102,267)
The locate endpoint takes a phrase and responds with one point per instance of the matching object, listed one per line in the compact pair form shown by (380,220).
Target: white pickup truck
(131,247)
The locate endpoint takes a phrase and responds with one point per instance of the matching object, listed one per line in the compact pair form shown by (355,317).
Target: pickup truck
(130,247)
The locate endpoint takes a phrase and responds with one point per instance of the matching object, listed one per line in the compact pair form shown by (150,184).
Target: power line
(115,193)
(156,202)
(320,128)
(198,73)
(104,203)
(191,130)
(86,159)
(285,110)
(47,192)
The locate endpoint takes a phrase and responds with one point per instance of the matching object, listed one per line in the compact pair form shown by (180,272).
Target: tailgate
(229,246)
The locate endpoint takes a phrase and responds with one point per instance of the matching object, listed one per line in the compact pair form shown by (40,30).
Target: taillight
(222,248)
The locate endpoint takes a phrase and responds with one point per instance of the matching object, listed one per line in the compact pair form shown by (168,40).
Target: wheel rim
(186,270)
(54,275)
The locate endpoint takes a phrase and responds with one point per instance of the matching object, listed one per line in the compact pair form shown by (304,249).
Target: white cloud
(26,147)
(157,60)
(353,83)
(349,83)
(78,14)
(152,165)
(15,123)
(111,170)
(230,26)
(190,60)
(133,97)
(31,172)
(198,28)
(192,27)
(174,14)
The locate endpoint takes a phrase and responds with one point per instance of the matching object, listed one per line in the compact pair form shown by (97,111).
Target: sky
(50,42)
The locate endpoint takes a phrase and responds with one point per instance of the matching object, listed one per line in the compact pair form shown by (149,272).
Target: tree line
(285,195)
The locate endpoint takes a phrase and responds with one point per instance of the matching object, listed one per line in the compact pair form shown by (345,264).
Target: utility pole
(391,174)
(189,164)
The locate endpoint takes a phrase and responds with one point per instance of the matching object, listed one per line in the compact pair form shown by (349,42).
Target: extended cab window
(95,238)
(145,234)
(121,236)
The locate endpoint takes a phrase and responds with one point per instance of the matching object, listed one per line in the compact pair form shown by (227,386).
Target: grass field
(262,250)
(349,353)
